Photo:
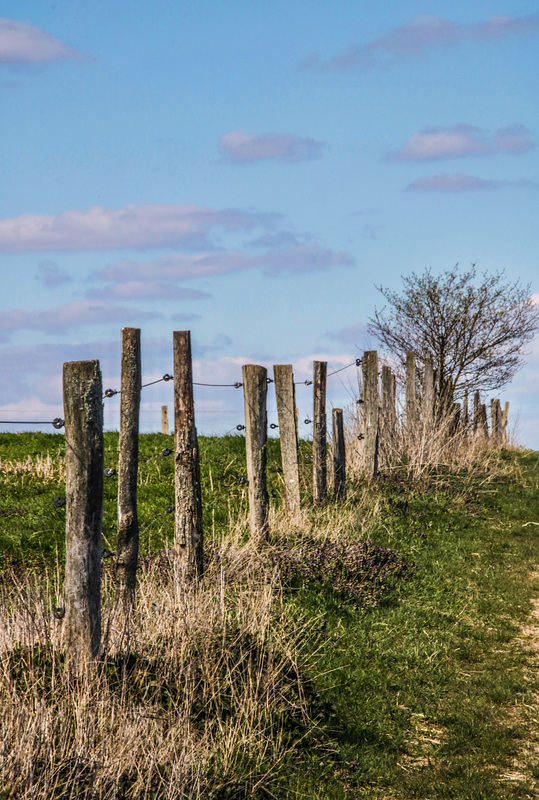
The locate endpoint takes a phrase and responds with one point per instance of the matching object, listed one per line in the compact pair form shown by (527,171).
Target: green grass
(420,697)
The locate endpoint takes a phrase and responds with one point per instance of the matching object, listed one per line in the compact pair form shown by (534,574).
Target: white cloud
(146,290)
(458,182)
(242,147)
(21,43)
(135,226)
(430,144)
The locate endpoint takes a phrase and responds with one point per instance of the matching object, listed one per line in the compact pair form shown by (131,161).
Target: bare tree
(475,329)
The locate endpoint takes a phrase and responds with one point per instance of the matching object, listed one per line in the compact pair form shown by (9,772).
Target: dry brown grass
(200,690)
(45,468)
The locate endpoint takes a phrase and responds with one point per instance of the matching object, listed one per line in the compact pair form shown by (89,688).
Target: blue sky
(251,171)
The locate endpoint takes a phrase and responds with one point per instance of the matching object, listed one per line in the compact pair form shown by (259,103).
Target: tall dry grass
(199,694)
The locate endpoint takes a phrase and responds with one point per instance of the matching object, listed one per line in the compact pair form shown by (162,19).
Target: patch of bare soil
(525,768)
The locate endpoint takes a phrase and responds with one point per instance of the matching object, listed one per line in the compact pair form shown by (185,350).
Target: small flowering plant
(359,572)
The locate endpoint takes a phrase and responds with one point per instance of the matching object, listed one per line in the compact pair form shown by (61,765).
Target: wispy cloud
(241,147)
(50,274)
(431,144)
(423,33)
(69,316)
(146,290)
(459,182)
(21,43)
(137,226)
(297,258)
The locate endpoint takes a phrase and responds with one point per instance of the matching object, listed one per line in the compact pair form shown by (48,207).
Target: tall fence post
(188,496)
(388,422)
(496,424)
(128,529)
(83,413)
(484,421)
(339,455)
(371,412)
(255,389)
(164,420)
(319,431)
(505,420)
(412,411)
(477,414)
(427,400)
(288,431)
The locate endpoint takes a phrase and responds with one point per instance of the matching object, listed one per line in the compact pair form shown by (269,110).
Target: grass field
(372,649)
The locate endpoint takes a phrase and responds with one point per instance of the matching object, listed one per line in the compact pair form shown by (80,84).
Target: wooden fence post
(465,415)
(83,412)
(164,420)
(477,414)
(388,421)
(505,420)
(496,422)
(319,431)
(371,411)
(255,389)
(427,400)
(484,421)
(288,431)
(339,455)
(188,496)
(412,411)
(128,529)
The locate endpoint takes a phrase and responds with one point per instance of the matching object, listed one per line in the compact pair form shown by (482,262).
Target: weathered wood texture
(388,417)
(83,414)
(496,425)
(319,431)
(339,455)
(164,420)
(128,528)
(505,420)
(188,496)
(484,421)
(477,415)
(412,408)
(255,389)
(427,400)
(288,430)
(371,403)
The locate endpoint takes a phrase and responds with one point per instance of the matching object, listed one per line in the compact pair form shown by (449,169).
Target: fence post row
(84,458)
(128,529)
(188,495)
(255,389)
(320,369)
(339,455)
(369,366)
(288,431)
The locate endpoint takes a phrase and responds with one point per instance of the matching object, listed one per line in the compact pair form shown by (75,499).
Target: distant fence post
(371,411)
(465,415)
(339,455)
(83,412)
(164,420)
(319,431)
(255,389)
(484,421)
(477,422)
(288,432)
(188,497)
(427,400)
(505,420)
(412,410)
(388,421)
(496,425)
(128,528)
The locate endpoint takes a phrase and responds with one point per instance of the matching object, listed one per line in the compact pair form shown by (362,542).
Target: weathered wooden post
(388,421)
(477,414)
(465,415)
(371,411)
(83,413)
(128,529)
(164,420)
(505,420)
(427,400)
(319,431)
(339,455)
(496,422)
(484,421)
(286,411)
(412,410)
(255,389)
(188,496)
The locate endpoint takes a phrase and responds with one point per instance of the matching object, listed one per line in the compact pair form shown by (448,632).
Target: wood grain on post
(388,420)
(496,422)
(477,414)
(320,369)
(255,390)
(128,528)
(465,414)
(427,401)
(83,413)
(412,411)
(188,495)
(339,455)
(288,430)
(164,420)
(505,420)
(371,411)
(484,421)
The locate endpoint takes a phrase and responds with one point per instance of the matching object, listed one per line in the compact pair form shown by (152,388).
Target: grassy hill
(372,649)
